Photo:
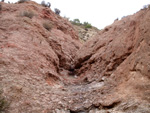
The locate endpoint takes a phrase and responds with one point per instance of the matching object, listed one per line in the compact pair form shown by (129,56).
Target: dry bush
(47,25)
(22,1)
(3,103)
(28,14)
(149,6)
(0,7)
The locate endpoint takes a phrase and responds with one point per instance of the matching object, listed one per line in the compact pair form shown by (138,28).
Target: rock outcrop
(85,33)
(45,69)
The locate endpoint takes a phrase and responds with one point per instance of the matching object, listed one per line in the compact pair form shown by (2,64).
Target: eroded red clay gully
(50,71)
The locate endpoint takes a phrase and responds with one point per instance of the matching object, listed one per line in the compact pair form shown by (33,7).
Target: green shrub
(3,103)
(87,25)
(47,25)
(28,14)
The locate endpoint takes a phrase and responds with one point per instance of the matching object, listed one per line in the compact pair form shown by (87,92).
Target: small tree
(48,4)
(57,11)
(76,22)
(43,3)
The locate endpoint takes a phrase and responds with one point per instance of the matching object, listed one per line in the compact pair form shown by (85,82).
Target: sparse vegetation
(47,25)
(3,103)
(22,1)
(85,24)
(146,6)
(28,14)
(45,4)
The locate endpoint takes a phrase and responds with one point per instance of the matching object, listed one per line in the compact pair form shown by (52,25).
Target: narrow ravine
(46,69)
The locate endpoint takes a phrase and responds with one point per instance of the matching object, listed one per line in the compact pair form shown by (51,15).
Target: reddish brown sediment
(50,71)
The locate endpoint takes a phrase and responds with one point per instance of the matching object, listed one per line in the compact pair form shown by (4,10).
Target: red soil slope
(49,71)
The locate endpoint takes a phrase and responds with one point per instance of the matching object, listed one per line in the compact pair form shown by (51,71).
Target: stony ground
(85,33)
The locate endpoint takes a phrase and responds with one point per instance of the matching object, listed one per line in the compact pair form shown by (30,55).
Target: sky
(99,13)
